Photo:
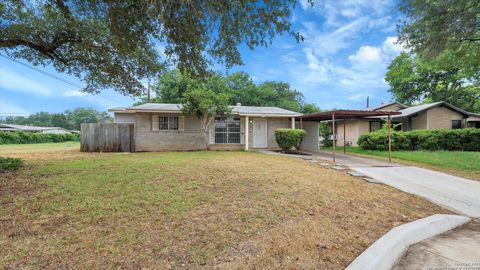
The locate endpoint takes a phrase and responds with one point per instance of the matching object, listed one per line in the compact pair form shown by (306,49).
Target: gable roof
(385,105)
(238,110)
(420,108)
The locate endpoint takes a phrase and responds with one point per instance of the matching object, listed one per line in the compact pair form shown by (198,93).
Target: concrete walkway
(456,249)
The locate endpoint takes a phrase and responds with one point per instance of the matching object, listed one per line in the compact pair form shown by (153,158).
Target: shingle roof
(419,108)
(240,110)
(255,110)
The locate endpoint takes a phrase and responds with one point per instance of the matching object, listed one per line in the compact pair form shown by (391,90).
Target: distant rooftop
(383,105)
(13,127)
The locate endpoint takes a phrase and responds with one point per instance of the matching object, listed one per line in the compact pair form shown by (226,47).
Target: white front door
(260,133)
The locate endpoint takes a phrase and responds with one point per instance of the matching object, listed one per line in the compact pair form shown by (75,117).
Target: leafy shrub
(467,139)
(325,132)
(15,137)
(10,164)
(289,138)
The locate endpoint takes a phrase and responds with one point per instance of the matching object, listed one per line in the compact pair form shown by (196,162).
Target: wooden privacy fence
(107,137)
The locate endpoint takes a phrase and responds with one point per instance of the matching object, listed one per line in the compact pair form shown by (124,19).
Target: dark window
(168,122)
(227,130)
(456,124)
(375,125)
(397,126)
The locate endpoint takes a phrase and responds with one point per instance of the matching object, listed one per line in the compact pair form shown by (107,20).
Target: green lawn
(465,163)
(188,210)
(38,147)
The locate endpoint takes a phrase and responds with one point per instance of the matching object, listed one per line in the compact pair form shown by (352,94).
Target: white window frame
(227,133)
(172,123)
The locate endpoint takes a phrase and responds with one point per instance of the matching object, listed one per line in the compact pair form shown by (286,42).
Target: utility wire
(53,76)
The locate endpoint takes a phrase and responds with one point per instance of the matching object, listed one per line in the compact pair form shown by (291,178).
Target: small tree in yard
(206,105)
(289,138)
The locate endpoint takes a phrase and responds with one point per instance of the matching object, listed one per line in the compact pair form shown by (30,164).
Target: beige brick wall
(353,129)
(124,118)
(441,117)
(146,139)
(419,121)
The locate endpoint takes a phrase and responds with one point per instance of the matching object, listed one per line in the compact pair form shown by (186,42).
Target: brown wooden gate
(96,137)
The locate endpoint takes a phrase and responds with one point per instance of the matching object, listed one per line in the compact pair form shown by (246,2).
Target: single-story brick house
(436,115)
(163,127)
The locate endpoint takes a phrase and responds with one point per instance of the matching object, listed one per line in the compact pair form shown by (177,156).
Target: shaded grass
(224,210)
(38,147)
(457,162)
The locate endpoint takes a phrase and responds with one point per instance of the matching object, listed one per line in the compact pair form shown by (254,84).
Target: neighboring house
(24,128)
(436,115)
(162,127)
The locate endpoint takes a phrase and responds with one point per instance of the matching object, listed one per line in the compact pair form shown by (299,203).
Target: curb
(383,254)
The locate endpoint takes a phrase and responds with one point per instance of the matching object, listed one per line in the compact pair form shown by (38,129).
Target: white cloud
(288,59)
(74,93)
(391,48)
(16,82)
(329,43)
(360,76)
(367,54)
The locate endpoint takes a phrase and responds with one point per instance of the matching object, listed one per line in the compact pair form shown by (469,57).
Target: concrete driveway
(456,249)
(458,194)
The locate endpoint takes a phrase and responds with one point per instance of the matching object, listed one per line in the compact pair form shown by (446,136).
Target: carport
(336,115)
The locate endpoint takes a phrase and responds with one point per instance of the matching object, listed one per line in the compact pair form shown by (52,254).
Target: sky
(347,47)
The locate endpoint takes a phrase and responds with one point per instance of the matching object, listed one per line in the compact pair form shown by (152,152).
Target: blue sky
(343,59)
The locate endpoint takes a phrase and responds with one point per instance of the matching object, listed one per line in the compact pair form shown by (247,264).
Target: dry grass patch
(224,210)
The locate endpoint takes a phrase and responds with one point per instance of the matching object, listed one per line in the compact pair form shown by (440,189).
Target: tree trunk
(205,137)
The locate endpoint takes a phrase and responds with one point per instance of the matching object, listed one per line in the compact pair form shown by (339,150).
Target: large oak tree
(444,33)
(413,81)
(113,43)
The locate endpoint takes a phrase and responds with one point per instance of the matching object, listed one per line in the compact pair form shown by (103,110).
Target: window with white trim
(168,122)
(227,130)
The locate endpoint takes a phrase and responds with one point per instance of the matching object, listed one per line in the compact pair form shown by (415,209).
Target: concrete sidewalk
(456,249)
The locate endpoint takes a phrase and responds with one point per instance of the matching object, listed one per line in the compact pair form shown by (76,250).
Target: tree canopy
(444,33)
(414,81)
(238,87)
(206,105)
(115,44)
(70,119)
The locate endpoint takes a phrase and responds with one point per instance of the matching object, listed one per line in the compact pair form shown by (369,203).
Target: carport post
(389,141)
(344,140)
(333,135)
(246,132)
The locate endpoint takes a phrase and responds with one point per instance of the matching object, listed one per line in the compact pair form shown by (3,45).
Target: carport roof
(344,114)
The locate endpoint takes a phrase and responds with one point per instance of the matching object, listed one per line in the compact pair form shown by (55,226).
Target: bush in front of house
(16,137)
(288,138)
(10,164)
(467,139)
(325,132)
